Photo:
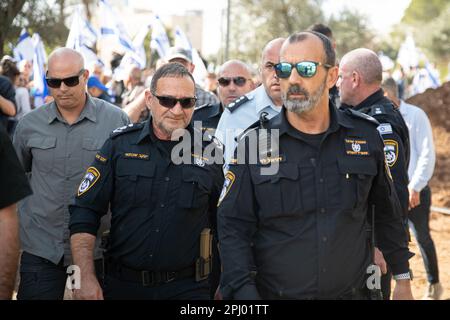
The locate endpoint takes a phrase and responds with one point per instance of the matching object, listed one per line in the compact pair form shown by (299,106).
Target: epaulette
(360,115)
(236,104)
(129,128)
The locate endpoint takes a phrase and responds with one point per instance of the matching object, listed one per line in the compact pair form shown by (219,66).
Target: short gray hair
(170,70)
(390,86)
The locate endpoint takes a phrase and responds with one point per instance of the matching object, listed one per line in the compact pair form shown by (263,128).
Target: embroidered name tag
(101,158)
(132,155)
(356,147)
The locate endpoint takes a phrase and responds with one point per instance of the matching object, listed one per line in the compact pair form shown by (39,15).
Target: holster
(203,264)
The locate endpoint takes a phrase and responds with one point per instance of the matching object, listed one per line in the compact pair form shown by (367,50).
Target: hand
(414,199)
(89,289)
(402,290)
(379,261)
(218,294)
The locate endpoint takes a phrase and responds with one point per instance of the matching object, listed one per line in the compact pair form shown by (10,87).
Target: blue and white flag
(39,84)
(200,72)
(24,49)
(82,38)
(160,41)
(112,28)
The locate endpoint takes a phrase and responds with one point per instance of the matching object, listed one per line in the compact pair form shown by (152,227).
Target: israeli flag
(112,28)
(24,49)
(200,71)
(39,62)
(82,38)
(160,41)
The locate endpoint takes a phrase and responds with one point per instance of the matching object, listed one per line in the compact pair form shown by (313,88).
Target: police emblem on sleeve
(90,178)
(391,151)
(229,180)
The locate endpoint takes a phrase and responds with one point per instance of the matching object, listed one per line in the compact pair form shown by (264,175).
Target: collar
(375,98)
(88,112)
(261,99)
(337,119)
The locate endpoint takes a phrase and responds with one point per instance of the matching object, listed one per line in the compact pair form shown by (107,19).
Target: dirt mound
(436,103)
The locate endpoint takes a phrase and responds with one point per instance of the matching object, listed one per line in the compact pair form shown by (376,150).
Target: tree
(8,11)
(350,31)
(38,16)
(420,11)
(255,22)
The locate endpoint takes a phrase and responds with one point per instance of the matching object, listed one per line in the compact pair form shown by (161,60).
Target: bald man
(263,102)
(55,144)
(234,80)
(359,83)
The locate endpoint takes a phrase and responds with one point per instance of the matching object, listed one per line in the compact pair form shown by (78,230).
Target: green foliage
(350,31)
(420,11)
(255,22)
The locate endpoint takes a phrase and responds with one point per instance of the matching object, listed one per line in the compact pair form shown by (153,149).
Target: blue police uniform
(240,115)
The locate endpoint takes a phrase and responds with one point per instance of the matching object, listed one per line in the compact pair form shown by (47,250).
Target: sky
(382,14)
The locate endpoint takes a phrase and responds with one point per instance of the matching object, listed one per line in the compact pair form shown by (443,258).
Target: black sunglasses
(170,102)
(70,81)
(305,69)
(225,81)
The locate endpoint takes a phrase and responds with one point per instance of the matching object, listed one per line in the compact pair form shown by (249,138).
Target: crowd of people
(109,176)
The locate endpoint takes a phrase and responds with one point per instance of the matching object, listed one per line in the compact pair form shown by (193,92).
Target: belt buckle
(170,276)
(147,278)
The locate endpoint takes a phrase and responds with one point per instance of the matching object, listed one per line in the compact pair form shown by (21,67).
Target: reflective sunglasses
(70,81)
(305,69)
(225,81)
(170,102)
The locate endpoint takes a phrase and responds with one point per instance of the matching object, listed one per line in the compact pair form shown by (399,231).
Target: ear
(191,68)
(332,76)
(356,79)
(148,98)
(86,74)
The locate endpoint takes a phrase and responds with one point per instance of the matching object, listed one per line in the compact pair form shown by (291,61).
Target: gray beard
(299,106)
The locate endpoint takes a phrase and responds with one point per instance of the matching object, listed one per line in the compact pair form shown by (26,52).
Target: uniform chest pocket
(356,181)
(196,186)
(43,152)
(89,147)
(280,194)
(134,182)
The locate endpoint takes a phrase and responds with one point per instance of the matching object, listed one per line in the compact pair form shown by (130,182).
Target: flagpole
(227,42)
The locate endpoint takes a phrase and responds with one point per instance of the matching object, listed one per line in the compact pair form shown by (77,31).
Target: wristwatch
(404,276)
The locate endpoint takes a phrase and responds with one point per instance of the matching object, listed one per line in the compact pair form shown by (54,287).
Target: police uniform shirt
(56,155)
(241,114)
(304,229)
(395,134)
(158,208)
(209,115)
(13,183)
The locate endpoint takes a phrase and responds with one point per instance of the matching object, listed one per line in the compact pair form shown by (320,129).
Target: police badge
(91,177)
(391,151)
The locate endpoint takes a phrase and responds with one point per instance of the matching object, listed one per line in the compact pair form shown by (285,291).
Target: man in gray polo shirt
(56,143)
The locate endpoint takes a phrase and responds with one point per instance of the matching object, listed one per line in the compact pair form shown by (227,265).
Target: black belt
(148,278)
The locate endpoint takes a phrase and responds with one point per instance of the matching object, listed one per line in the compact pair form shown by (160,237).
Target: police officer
(265,99)
(234,80)
(159,209)
(299,232)
(14,187)
(360,76)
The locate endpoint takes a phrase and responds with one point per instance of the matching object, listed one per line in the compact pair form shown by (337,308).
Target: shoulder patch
(236,104)
(385,128)
(360,115)
(90,178)
(228,182)
(129,128)
(391,151)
